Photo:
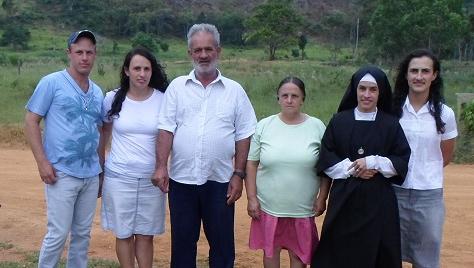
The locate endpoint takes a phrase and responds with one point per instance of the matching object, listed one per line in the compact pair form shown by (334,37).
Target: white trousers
(71,204)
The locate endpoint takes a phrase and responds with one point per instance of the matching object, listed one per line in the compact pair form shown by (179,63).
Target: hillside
(123,18)
(310,8)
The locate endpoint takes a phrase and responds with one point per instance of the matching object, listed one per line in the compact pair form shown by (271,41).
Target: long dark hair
(435,97)
(158,78)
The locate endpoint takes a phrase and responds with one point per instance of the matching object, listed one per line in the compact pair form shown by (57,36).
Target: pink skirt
(298,235)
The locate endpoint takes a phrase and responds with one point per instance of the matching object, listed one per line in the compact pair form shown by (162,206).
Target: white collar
(424,109)
(361,116)
(192,76)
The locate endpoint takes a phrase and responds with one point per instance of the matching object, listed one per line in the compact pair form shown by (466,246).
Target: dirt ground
(22,218)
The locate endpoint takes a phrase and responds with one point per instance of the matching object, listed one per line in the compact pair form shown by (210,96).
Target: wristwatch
(240,174)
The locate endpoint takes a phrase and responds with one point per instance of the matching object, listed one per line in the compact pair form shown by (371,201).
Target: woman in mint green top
(283,191)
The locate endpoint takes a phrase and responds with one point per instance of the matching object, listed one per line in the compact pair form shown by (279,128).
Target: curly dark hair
(158,78)
(435,97)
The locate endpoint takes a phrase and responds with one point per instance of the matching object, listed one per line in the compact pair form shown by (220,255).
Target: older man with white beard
(206,121)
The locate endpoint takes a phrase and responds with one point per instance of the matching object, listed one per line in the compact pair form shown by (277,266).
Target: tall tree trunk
(354,54)
(459,51)
(271,51)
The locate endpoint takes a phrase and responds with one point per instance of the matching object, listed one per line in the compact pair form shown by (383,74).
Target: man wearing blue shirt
(66,153)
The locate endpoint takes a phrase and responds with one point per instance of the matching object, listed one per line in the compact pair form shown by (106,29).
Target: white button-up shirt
(425,169)
(206,123)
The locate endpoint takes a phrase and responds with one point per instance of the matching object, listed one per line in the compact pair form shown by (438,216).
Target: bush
(101,70)
(468,117)
(15,35)
(16,61)
(144,40)
(115,48)
(164,46)
(295,53)
(4,59)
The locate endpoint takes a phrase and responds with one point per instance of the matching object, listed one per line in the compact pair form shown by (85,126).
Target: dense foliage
(274,24)
(123,18)
(468,117)
(384,29)
(399,26)
(15,35)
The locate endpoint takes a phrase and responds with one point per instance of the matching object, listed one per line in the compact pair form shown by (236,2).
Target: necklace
(86,99)
(364,117)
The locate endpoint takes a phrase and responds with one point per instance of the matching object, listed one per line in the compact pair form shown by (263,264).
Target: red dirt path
(22,218)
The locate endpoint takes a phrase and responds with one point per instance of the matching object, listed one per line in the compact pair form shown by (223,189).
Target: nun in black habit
(363,151)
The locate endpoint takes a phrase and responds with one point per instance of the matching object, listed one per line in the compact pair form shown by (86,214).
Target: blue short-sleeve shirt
(71,120)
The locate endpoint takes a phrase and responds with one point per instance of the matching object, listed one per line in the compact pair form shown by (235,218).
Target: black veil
(384,103)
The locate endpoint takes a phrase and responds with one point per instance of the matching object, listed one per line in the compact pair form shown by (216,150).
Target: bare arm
(241,152)
(240,161)
(163,149)
(253,206)
(105,133)
(447,149)
(320,201)
(33,135)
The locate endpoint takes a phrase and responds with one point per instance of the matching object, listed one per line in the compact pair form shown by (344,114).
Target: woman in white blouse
(132,208)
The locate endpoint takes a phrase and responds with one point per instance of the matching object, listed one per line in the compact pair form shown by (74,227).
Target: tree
(397,27)
(115,47)
(469,40)
(15,35)
(231,27)
(144,40)
(164,46)
(302,41)
(8,6)
(17,61)
(336,26)
(274,24)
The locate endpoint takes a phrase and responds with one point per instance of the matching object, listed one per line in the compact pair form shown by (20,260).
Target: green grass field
(325,84)
(325,80)
(249,67)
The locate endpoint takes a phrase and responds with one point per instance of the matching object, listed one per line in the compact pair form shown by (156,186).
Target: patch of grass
(101,263)
(6,245)
(12,135)
(9,264)
(464,152)
(30,259)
